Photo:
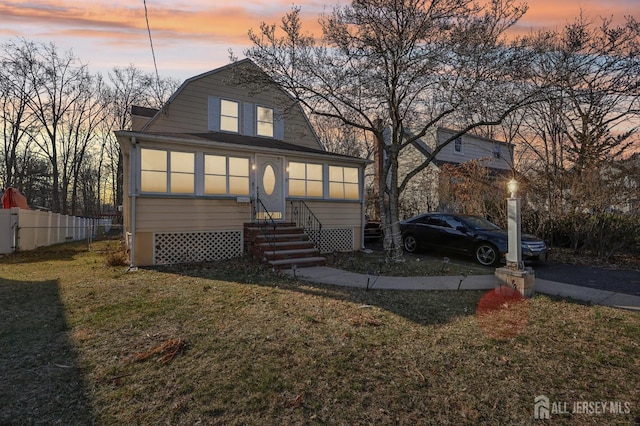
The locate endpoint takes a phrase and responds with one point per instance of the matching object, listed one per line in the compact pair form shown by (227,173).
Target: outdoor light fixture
(512,187)
(514,255)
(514,274)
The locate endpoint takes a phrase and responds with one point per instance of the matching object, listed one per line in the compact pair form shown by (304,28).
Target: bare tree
(80,137)
(59,81)
(17,119)
(53,109)
(591,115)
(405,65)
(129,86)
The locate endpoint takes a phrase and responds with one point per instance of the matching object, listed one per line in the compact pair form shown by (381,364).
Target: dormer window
(229,116)
(264,122)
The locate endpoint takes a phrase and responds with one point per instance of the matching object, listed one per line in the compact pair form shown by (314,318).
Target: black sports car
(473,235)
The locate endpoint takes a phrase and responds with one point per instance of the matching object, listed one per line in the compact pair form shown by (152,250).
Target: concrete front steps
(281,245)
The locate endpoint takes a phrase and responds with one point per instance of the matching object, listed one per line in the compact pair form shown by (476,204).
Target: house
(220,161)
(423,192)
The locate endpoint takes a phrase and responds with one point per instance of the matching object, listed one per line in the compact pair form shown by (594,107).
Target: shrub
(118,256)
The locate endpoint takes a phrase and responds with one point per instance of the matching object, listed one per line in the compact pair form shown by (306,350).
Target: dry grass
(117,255)
(253,347)
(412,265)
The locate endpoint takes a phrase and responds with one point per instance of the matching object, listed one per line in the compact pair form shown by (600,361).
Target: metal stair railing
(303,217)
(259,207)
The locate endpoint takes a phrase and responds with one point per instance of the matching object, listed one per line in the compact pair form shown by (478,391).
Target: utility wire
(146,17)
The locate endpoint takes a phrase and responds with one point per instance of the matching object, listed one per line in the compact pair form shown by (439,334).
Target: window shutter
(214,113)
(278,125)
(248,119)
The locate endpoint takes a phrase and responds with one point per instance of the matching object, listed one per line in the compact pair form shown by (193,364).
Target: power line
(146,17)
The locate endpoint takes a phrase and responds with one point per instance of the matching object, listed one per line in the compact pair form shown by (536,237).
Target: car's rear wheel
(487,254)
(410,243)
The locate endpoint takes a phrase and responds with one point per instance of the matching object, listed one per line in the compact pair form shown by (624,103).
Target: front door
(270,188)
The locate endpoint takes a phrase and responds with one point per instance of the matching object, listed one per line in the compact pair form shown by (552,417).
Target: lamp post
(514,231)
(514,274)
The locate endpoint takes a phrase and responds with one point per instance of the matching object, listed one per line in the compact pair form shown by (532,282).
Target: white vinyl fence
(27,229)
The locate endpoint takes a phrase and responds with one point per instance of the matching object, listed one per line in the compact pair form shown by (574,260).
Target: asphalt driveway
(616,280)
(625,281)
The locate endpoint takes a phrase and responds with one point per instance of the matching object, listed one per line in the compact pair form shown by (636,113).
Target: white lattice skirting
(338,239)
(189,247)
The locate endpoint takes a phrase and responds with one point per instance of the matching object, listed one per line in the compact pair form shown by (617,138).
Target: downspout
(133,160)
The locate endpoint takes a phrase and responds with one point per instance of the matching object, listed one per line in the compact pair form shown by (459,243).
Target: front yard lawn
(233,343)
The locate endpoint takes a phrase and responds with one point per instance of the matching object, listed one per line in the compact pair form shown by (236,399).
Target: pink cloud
(110,32)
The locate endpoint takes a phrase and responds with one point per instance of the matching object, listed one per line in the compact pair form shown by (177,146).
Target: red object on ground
(13,198)
(502,313)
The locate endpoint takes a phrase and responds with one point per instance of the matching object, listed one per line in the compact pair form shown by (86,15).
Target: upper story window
(229,116)
(305,180)
(164,171)
(457,146)
(343,183)
(226,175)
(243,118)
(497,154)
(264,121)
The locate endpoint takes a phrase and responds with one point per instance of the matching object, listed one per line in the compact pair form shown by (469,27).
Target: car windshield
(480,224)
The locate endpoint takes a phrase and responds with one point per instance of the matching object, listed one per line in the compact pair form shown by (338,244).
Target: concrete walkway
(332,276)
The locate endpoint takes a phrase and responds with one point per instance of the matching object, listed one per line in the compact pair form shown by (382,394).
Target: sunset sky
(191,37)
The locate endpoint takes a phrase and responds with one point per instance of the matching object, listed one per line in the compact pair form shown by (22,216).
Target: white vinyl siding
(194,110)
(475,148)
(156,214)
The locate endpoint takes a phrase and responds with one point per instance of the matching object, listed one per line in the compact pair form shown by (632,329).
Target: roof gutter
(242,148)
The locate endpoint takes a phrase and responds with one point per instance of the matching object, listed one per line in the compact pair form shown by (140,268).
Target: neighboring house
(630,202)
(422,194)
(218,157)
(622,183)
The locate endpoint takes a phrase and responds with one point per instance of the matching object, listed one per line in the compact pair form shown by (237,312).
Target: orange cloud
(228,24)
(203,22)
(200,31)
